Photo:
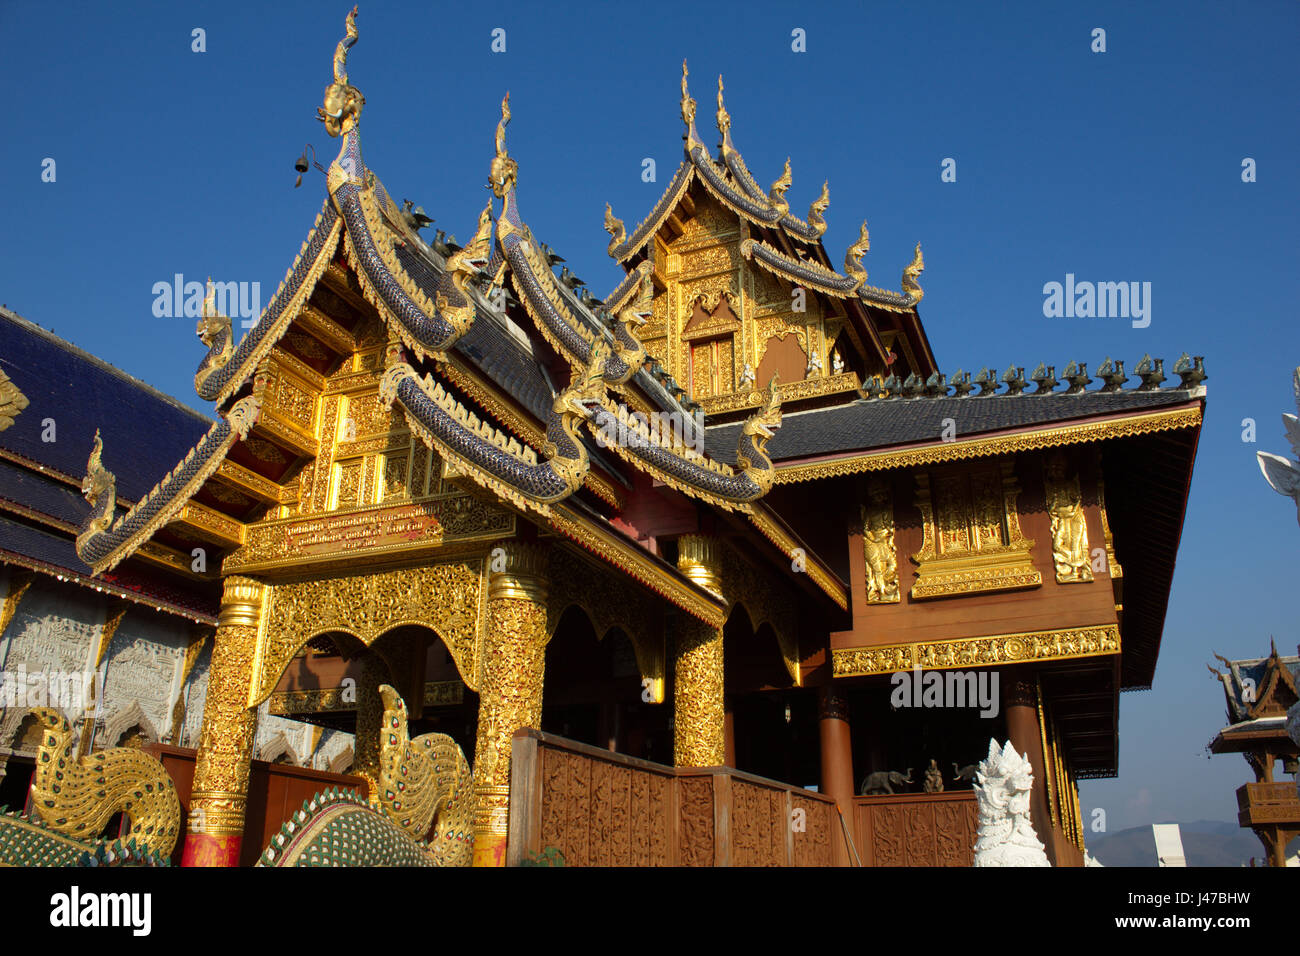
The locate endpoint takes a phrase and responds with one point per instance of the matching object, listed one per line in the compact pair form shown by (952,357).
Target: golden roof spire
(688,103)
(504,169)
(724,118)
(343,102)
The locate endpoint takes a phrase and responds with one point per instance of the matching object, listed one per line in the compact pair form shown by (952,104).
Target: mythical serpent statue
(853,258)
(776,195)
(104,539)
(422,783)
(910,272)
(74,798)
(817,211)
(498,461)
(1003,786)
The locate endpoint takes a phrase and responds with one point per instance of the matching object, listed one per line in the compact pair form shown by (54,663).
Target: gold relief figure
(1069,525)
(878,544)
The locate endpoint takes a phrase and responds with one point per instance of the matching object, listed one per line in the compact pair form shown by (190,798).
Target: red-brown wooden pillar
(1020,704)
(837,765)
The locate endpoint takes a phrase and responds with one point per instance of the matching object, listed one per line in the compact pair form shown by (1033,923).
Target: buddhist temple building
(1258,694)
(691,532)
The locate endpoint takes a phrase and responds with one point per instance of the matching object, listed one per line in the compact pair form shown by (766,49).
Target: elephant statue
(884,781)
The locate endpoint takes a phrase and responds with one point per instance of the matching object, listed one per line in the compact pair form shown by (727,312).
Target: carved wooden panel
(917,829)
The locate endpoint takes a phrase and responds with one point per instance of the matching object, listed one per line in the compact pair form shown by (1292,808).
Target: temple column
(220,789)
(699,712)
(370,716)
(699,734)
(1020,704)
(837,762)
(510,695)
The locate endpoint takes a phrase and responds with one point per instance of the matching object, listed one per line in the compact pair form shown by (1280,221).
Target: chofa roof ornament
(343,102)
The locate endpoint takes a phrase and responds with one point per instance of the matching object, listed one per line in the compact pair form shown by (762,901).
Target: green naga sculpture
(73,799)
(423,790)
(421,814)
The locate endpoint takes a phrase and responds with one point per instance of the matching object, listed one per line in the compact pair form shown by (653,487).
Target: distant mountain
(1205,843)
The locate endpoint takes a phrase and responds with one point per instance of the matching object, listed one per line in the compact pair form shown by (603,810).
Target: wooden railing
(604,809)
(917,829)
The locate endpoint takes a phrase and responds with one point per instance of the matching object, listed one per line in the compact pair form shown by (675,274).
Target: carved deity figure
(815,366)
(933,778)
(837,363)
(1069,526)
(747,376)
(1006,836)
(878,544)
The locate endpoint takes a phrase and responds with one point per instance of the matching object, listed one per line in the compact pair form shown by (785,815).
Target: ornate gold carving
(511,698)
(447,523)
(212,524)
(448,598)
(1096,641)
(853,464)
(19,582)
(425,783)
(1070,552)
(77,796)
(698,731)
(12,401)
(878,544)
(973,541)
(220,789)
(343,102)
(699,557)
(1112,562)
(191,657)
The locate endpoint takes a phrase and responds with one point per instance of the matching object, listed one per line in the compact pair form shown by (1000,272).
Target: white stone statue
(837,363)
(747,376)
(1004,782)
(1281,473)
(815,363)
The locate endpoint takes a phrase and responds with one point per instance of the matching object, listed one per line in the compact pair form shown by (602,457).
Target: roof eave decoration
(103,542)
(226,368)
(990,443)
(493,459)
(375,228)
(554,315)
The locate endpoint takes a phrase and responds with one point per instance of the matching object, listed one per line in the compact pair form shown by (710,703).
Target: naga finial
(211,323)
(853,257)
(724,118)
(343,101)
(910,272)
(818,208)
(614,226)
(504,169)
(777,193)
(688,102)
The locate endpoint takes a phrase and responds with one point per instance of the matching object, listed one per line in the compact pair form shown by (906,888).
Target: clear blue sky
(1120,166)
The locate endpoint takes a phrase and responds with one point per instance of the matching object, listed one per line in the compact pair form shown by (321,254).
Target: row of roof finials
(1151,371)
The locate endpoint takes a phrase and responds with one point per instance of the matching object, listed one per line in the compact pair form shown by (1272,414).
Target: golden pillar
(510,694)
(699,712)
(370,715)
(220,789)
